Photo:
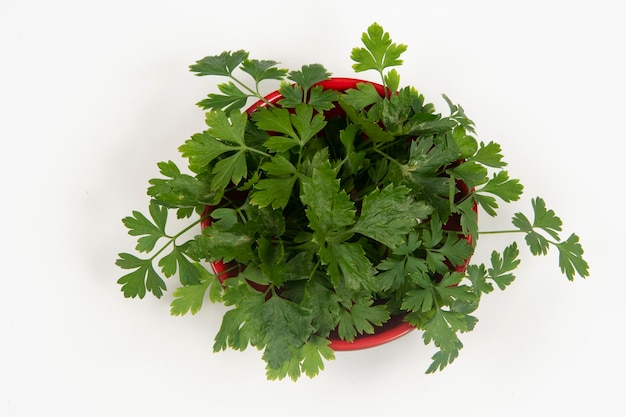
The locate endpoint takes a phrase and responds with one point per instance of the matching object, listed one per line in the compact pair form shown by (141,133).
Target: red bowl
(395,327)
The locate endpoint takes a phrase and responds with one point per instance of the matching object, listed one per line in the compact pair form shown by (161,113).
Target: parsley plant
(333,212)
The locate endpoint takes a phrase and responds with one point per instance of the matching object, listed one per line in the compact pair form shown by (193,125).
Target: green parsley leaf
(361,318)
(432,237)
(215,245)
(271,255)
(318,98)
(362,96)
(232,99)
(229,129)
(284,325)
(392,80)
(353,160)
(180,190)
(457,115)
(487,202)
(232,169)
(306,124)
(278,165)
(500,272)
(280,143)
(389,214)
(419,300)
(274,192)
(309,75)
(328,208)
(545,220)
(456,250)
(441,330)
(449,289)
(356,269)
(264,222)
(313,352)
(292,94)
(466,144)
(290,366)
(501,186)
(477,274)
(502,265)
(322,100)
(537,243)
(427,159)
(471,173)
(308,359)
(379,52)
(324,306)
(144,277)
(139,225)
(190,298)
(490,155)
(222,64)
(261,70)
(175,261)
(394,272)
(469,217)
(441,326)
(240,325)
(425,124)
(275,119)
(396,110)
(402,263)
(571,259)
(443,358)
(372,129)
(202,149)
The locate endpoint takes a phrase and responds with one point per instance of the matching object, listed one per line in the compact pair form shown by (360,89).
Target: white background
(93,94)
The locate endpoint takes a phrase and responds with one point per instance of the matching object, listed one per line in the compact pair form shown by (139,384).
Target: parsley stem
(387,157)
(172,239)
(254,93)
(317,265)
(247,148)
(382,77)
(496,232)
(237,207)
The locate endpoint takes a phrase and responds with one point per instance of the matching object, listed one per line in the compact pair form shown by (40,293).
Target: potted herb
(331,212)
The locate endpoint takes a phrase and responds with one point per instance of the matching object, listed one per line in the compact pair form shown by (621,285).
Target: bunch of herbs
(331,211)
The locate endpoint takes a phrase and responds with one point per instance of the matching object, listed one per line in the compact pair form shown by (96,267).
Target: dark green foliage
(333,224)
